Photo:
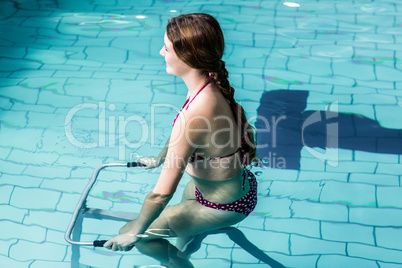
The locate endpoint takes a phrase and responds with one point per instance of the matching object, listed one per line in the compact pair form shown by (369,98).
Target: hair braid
(247,131)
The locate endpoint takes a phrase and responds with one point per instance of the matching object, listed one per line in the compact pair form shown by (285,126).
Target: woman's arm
(177,156)
(162,154)
(153,162)
(152,207)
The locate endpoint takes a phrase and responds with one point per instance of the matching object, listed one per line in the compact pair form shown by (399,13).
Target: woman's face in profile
(174,65)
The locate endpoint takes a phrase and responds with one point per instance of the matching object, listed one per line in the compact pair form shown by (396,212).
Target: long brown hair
(198,41)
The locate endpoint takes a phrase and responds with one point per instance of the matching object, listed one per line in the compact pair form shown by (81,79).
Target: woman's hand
(123,242)
(150,162)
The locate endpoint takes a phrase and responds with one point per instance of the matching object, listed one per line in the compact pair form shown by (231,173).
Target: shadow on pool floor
(284,128)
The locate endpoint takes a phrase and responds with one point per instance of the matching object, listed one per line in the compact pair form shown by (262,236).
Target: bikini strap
(174,121)
(188,105)
(188,101)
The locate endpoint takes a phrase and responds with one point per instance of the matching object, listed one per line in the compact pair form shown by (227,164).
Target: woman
(211,140)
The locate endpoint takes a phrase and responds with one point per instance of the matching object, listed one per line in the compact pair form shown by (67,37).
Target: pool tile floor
(82,83)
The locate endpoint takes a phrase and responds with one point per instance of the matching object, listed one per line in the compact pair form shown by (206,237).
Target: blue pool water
(82,83)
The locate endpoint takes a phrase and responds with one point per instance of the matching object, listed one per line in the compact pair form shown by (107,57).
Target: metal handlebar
(81,204)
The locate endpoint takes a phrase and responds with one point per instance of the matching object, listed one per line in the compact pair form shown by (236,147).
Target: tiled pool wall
(88,74)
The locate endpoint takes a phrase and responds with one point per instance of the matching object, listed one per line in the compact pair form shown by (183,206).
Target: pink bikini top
(195,157)
(188,101)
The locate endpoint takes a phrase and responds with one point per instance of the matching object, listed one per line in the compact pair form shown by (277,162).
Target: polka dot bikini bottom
(244,205)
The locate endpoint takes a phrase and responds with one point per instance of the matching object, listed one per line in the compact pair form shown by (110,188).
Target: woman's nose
(162,52)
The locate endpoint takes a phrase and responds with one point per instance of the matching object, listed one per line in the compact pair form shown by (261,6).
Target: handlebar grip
(135,164)
(99,243)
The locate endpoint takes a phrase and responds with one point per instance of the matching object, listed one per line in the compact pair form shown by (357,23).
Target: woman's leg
(188,194)
(184,221)
(181,242)
(190,218)
(167,254)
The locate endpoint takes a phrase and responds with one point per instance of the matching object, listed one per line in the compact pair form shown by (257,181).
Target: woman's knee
(189,191)
(181,242)
(156,248)
(129,225)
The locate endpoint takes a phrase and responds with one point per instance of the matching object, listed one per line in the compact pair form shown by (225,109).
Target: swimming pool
(82,84)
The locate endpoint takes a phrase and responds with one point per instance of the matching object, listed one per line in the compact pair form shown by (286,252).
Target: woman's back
(218,152)
(216,165)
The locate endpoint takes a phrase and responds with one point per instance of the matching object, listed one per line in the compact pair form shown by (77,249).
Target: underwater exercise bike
(81,209)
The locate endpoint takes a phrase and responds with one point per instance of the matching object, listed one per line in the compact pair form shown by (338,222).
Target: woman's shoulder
(208,103)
